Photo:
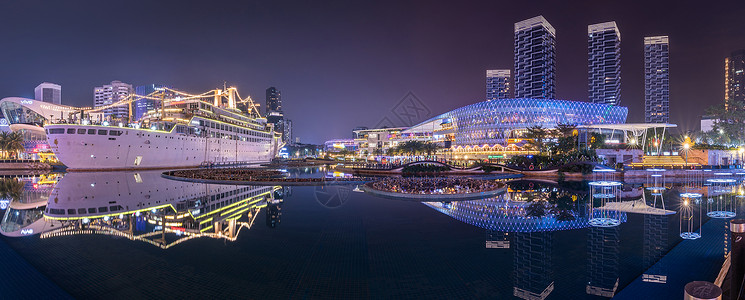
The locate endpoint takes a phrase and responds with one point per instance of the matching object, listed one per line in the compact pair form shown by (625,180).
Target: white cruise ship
(186,132)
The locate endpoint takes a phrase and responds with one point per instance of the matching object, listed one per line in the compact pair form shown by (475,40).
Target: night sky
(341,64)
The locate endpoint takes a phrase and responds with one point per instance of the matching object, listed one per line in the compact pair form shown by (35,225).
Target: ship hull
(132,149)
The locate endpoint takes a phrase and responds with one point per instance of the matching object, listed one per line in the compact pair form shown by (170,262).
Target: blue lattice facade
(493,122)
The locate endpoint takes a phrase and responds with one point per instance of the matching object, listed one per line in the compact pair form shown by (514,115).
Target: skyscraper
(48,92)
(604,63)
(273,100)
(535,59)
(734,80)
(497,84)
(656,79)
(143,105)
(287,136)
(110,93)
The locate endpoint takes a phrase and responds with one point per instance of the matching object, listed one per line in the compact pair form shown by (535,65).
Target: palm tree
(11,189)
(14,143)
(4,137)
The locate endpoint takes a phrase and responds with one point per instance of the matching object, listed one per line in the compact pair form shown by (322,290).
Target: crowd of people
(435,185)
(238,174)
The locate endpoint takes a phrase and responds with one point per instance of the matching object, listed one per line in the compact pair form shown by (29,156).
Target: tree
(537,136)
(597,140)
(11,143)
(730,129)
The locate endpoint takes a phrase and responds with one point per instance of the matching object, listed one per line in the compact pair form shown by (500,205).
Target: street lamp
(741,150)
(686,146)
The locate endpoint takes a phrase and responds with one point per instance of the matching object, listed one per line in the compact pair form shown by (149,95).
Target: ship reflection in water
(536,241)
(140,206)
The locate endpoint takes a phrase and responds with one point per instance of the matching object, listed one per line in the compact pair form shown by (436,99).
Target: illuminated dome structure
(493,122)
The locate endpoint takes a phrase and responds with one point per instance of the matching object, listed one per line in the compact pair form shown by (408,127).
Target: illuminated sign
(27,102)
(4,122)
(27,231)
(4,203)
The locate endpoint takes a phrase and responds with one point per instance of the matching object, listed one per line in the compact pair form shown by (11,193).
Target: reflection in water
(527,217)
(655,246)
(143,206)
(533,265)
(602,268)
(540,227)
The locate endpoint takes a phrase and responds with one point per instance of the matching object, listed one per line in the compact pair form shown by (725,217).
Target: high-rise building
(273,100)
(535,59)
(604,63)
(497,84)
(143,105)
(287,136)
(734,80)
(48,92)
(111,93)
(656,79)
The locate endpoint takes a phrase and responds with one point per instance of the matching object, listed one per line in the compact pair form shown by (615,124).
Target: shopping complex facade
(493,128)
(28,116)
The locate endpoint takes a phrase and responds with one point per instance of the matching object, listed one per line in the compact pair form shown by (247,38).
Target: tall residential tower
(604,63)
(734,80)
(111,93)
(535,59)
(656,79)
(497,84)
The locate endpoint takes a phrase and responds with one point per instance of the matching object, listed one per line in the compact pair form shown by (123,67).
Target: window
(92,210)
(103,209)
(115,132)
(91,131)
(57,131)
(81,131)
(102,132)
(56,211)
(71,211)
(70,130)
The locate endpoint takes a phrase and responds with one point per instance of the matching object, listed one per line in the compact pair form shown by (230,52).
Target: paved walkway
(688,261)
(20,280)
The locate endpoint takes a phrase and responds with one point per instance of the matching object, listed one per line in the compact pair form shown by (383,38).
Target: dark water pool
(333,242)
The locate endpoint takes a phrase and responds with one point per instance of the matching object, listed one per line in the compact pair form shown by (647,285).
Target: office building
(604,63)
(142,105)
(535,59)
(111,93)
(734,80)
(273,100)
(497,84)
(656,79)
(48,92)
(287,136)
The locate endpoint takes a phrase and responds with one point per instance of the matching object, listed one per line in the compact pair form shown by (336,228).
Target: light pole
(686,146)
(741,150)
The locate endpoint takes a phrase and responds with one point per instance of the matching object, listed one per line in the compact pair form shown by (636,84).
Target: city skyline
(441,61)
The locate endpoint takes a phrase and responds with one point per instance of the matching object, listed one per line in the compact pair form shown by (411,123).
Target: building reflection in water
(525,219)
(602,266)
(143,206)
(274,207)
